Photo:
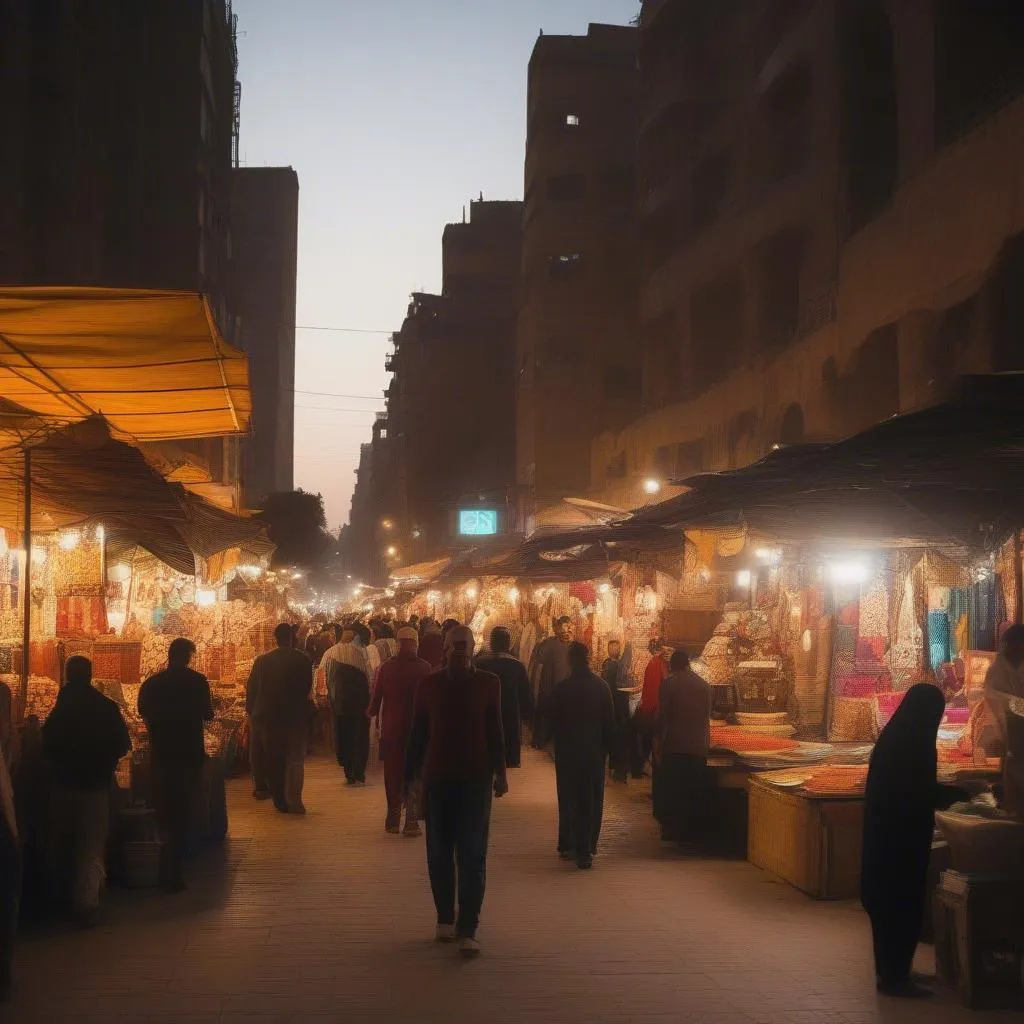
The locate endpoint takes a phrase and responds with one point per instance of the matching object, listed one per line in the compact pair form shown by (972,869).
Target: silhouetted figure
(174,704)
(10,851)
(516,698)
(83,738)
(583,725)
(278,697)
(684,737)
(432,644)
(549,667)
(899,817)
(458,750)
(393,699)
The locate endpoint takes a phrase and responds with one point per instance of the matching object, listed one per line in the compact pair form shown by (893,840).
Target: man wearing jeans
(84,737)
(458,748)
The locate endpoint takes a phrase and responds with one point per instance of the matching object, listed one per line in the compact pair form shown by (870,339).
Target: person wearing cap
(393,700)
(457,748)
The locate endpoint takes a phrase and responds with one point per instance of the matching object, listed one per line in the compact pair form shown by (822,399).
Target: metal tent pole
(26,626)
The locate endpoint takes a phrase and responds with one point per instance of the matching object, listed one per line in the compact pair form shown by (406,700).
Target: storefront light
(392,551)
(433,595)
(743,578)
(605,588)
(69,540)
(513,595)
(771,556)
(100,533)
(205,598)
(471,593)
(652,486)
(387,524)
(849,572)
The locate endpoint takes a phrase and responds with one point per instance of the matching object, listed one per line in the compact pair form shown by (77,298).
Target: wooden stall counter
(811,841)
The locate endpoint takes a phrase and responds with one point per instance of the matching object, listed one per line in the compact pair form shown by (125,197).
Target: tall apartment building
(577,369)
(448,435)
(264,231)
(119,120)
(829,226)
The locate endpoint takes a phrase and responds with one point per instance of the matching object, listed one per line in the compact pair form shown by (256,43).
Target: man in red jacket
(458,748)
(395,692)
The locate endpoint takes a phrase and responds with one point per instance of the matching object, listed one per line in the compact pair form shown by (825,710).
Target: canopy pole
(1018,578)
(26,626)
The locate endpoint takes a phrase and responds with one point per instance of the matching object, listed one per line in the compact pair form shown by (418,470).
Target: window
(383,433)
(562,187)
(572,120)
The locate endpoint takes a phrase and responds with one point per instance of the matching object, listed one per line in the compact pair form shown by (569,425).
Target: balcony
(389,362)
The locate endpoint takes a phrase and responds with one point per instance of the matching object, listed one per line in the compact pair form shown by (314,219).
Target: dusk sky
(394,113)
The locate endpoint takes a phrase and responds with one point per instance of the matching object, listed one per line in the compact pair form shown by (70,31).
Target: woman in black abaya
(899,816)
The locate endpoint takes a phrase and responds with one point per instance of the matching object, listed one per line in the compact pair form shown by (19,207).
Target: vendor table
(812,842)
(726,807)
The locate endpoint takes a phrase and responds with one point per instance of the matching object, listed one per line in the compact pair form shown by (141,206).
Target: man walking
(627,750)
(583,723)
(516,698)
(458,750)
(348,673)
(278,694)
(550,667)
(174,704)
(393,699)
(684,736)
(84,737)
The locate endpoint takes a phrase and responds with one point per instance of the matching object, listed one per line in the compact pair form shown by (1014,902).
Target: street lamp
(652,486)
(392,551)
(387,524)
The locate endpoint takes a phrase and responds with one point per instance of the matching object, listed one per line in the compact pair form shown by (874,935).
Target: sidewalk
(327,918)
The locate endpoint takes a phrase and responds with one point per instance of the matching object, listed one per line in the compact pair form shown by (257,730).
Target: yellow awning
(152,363)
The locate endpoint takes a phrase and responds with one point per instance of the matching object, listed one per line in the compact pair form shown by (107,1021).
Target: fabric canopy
(151,363)
(81,474)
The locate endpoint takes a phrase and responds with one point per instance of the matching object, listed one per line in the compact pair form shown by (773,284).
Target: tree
(298,526)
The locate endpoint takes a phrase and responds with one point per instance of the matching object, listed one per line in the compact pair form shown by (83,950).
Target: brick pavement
(326,918)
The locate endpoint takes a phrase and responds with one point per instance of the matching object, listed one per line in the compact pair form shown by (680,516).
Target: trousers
(258,757)
(79,826)
(352,742)
(176,788)
(398,795)
(680,782)
(458,817)
(10,890)
(580,789)
(284,761)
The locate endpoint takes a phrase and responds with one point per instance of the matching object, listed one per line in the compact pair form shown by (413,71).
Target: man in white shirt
(348,672)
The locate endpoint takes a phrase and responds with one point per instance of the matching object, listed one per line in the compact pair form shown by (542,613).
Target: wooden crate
(814,843)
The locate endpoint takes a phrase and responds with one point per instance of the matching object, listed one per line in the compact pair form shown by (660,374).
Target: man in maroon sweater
(397,682)
(458,749)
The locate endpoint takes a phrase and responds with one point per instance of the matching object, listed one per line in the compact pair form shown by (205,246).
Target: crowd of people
(452,722)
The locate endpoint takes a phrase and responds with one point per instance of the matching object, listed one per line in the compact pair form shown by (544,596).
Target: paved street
(328,919)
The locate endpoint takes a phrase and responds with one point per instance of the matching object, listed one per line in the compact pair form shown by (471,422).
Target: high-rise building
(448,435)
(264,234)
(829,233)
(119,121)
(578,372)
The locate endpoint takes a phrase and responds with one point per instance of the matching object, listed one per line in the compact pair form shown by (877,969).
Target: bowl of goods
(762,717)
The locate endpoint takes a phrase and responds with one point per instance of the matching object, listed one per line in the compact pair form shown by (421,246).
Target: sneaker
(393,830)
(261,794)
(445,933)
(469,948)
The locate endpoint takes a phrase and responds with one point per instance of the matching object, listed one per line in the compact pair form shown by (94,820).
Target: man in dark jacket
(516,698)
(549,666)
(583,725)
(277,696)
(458,750)
(83,739)
(174,704)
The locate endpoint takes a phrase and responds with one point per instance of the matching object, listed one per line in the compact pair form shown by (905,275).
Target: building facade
(829,221)
(576,373)
(119,121)
(448,434)
(264,230)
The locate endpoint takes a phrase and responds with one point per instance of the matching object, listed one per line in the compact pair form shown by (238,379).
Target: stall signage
(478,522)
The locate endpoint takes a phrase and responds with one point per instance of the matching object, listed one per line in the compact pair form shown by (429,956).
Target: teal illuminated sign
(478,522)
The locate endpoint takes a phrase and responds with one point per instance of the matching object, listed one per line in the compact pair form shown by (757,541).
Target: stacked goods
(740,740)
(837,780)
